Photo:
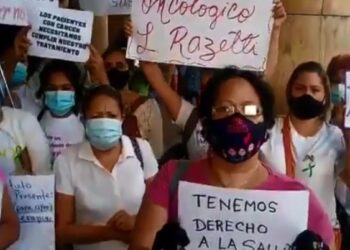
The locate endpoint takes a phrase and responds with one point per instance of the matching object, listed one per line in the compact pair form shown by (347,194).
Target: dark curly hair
(210,94)
(70,70)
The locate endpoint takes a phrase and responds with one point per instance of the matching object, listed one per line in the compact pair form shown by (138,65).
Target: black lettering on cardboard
(203,243)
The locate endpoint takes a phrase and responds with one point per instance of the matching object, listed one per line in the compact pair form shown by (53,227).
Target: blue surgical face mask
(60,103)
(104,133)
(19,76)
(338,93)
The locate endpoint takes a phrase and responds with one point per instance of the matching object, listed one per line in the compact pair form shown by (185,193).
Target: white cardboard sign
(206,33)
(107,7)
(217,218)
(13,12)
(34,201)
(60,33)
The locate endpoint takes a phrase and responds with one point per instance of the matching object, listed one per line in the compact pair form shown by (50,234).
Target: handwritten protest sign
(347,98)
(206,33)
(33,199)
(13,12)
(60,33)
(217,218)
(107,7)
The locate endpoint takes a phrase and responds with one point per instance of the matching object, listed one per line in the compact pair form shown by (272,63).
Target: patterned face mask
(236,138)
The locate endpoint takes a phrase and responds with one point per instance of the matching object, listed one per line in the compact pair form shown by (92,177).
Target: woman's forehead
(237,91)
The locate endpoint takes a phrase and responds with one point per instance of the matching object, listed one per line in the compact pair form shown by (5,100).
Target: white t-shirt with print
(62,132)
(197,146)
(98,193)
(318,160)
(24,130)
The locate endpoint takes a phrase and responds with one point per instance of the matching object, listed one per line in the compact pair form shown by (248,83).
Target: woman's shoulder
(277,181)
(17,114)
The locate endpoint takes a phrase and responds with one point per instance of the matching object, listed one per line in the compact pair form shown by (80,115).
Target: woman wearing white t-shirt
(100,183)
(303,145)
(61,92)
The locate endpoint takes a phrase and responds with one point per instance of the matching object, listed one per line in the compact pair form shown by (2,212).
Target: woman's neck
(109,158)
(245,175)
(306,128)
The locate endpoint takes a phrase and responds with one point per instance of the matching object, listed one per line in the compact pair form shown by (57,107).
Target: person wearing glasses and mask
(100,183)
(236,111)
(304,145)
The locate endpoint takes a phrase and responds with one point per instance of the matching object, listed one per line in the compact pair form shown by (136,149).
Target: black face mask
(118,79)
(306,107)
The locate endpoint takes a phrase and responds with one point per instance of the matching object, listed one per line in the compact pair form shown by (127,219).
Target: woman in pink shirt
(236,111)
(9,225)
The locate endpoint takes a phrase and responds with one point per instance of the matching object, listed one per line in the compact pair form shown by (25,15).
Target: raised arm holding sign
(206,33)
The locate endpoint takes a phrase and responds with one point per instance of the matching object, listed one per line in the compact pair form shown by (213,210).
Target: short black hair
(101,90)
(311,67)
(70,70)
(210,93)
(120,44)
(9,34)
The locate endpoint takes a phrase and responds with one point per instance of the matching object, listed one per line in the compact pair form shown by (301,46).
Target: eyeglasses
(247,110)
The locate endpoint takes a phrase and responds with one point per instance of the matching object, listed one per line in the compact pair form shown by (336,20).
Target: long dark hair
(311,67)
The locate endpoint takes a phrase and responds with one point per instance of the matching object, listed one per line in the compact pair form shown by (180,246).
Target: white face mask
(338,93)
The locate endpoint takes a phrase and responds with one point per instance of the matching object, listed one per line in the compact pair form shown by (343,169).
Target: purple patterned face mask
(236,138)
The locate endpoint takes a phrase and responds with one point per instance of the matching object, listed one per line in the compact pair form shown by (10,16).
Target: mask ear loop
(6,87)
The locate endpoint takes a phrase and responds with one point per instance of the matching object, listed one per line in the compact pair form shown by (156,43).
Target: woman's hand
(128,28)
(279,14)
(122,221)
(96,67)
(22,44)
(308,240)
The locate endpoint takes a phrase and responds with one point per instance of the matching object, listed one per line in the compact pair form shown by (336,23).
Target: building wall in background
(315,30)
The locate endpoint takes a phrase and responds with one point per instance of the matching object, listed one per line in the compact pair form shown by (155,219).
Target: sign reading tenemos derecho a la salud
(218,218)
(206,33)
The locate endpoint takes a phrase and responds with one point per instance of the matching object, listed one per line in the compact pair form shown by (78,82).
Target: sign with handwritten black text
(205,33)
(218,218)
(33,199)
(60,33)
(107,7)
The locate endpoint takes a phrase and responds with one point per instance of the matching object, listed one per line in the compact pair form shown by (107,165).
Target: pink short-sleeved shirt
(158,193)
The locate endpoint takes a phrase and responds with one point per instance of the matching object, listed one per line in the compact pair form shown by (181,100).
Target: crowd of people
(115,135)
